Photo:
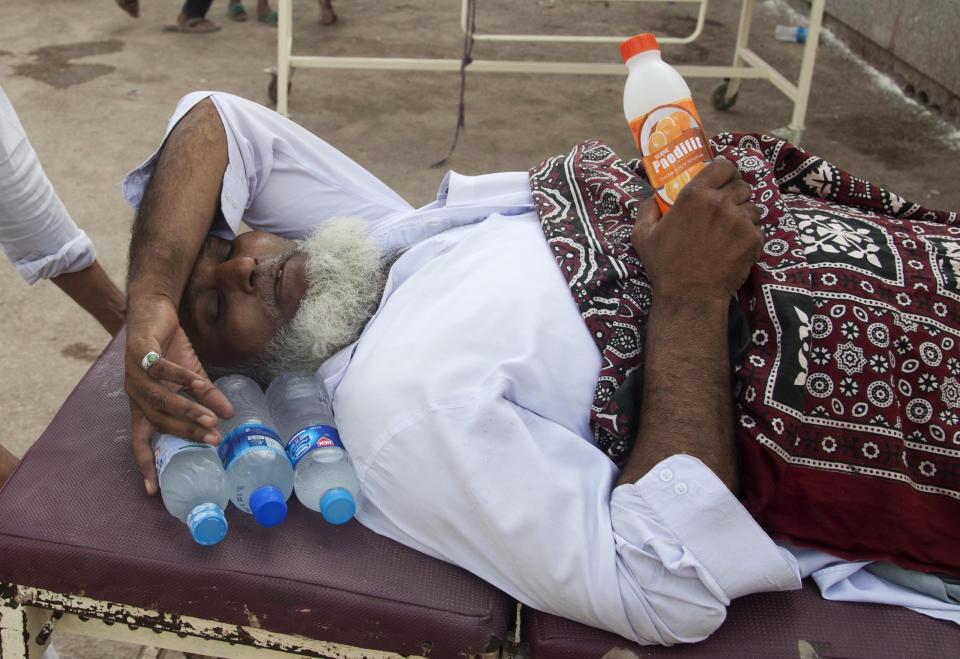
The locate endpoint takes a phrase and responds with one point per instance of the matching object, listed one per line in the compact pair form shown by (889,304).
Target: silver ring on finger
(149,359)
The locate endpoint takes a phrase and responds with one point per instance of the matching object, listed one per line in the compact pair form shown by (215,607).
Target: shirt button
(680,488)
(666,475)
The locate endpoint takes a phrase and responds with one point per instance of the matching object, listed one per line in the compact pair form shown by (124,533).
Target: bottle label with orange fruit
(674,148)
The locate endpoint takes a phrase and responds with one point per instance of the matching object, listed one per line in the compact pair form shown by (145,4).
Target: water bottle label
(243,438)
(169,446)
(310,438)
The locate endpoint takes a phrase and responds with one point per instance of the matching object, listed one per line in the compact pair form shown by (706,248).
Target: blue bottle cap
(208,526)
(269,506)
(802,33)
(338,506)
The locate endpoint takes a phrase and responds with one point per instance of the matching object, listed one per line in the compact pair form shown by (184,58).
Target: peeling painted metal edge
(15,599)
(13,631)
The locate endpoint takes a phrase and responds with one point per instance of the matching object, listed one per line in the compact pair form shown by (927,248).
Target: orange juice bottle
(664,122)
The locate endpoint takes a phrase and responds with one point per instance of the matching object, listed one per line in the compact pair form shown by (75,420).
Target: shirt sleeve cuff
(712,525)
(71,257)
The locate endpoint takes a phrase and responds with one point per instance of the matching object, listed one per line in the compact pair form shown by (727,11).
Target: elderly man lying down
(522,398)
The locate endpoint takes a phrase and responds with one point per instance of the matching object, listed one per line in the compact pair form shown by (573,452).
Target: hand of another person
(704,246)
(153,326)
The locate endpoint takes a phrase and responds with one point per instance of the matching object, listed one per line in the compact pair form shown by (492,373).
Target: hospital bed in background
(83,550)
(746,63)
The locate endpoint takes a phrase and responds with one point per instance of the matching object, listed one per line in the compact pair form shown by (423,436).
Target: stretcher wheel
(272,88)
(719,98)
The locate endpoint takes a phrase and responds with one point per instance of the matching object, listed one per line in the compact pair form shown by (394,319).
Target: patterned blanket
(848,380)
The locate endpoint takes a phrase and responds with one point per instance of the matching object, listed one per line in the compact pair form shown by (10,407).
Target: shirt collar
(424,233)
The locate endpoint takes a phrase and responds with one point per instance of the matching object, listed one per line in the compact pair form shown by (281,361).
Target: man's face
(264,305)
(240,294)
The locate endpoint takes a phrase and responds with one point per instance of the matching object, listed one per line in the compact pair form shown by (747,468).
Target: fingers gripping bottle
(325,480)
(259,474)
(193,486)
(665,125)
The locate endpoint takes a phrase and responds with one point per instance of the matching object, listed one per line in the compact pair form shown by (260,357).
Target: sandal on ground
(197,25)
(269,19)
(237,11)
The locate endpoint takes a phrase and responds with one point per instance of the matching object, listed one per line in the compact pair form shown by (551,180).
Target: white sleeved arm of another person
(280,177)
(37,233)
(526,504)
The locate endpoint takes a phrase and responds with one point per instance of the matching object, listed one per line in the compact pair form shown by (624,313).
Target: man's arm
(178,206)
(175,215)
(696,256)
(525,503)
(93,290)
(686,390)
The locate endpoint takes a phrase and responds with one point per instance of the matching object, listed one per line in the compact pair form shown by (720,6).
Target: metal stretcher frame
(29,616)
(746,63)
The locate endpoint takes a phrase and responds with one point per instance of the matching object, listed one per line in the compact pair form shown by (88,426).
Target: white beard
(345,279)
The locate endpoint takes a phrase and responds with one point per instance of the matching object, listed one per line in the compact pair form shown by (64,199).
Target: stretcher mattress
(74,519)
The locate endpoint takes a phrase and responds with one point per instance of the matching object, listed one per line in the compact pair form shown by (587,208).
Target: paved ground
(94,88)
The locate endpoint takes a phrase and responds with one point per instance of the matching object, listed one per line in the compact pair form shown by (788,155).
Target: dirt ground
(94,89)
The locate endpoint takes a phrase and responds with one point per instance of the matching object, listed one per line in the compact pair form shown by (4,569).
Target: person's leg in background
(327,16)
(265,14)
(236,10)
(132,7)
(193,18)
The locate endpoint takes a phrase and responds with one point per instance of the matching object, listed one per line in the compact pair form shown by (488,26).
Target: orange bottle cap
(638,43)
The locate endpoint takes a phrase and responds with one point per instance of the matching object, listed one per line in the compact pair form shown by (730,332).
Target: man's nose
(237,273)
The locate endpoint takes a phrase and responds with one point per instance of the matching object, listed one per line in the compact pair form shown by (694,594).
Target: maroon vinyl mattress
(74,519)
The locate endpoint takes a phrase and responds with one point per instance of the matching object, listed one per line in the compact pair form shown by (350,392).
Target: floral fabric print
(848,387)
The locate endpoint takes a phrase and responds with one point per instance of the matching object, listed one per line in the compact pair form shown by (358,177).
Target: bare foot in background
(327,16)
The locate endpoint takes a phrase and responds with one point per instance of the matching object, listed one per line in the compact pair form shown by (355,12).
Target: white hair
(345,280)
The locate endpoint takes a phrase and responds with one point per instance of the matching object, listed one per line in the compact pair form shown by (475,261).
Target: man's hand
(154,403)
(704,246)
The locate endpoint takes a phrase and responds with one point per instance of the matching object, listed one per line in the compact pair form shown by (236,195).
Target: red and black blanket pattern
(848,389)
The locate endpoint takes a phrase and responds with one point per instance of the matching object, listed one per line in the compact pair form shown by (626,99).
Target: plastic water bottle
(259,474)
(193,486)
(795,33)
(325,480)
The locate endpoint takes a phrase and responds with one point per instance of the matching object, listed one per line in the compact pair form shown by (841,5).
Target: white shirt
(465,406)
(37,233)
